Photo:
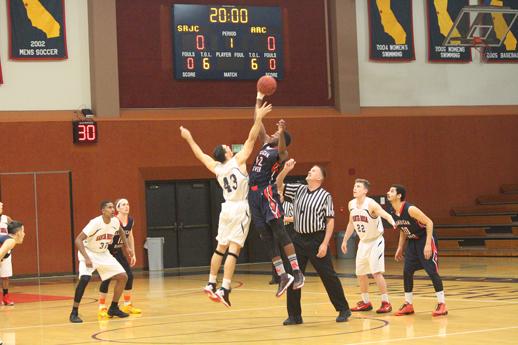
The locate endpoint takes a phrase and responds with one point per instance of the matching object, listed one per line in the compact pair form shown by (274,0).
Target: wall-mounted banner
(37,29)
(1,79)
(508,51)
(441,15)
(391,30)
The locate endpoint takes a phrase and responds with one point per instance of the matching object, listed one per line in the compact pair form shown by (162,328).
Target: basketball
(267,85)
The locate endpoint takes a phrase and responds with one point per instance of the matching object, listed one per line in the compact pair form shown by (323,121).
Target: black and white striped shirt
(311,208)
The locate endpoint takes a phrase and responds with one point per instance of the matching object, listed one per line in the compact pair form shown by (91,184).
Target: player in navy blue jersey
(266,206)
(126,222)
(416,231)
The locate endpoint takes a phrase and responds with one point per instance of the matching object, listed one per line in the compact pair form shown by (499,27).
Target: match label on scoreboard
(227,42)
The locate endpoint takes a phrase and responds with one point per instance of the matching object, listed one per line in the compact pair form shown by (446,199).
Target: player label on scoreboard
(223,42)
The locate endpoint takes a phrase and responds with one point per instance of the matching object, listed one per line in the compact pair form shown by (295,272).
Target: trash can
(155,253)
(352,246)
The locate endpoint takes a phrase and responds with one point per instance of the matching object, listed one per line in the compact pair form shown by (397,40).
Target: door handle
(180,226)
(174,226)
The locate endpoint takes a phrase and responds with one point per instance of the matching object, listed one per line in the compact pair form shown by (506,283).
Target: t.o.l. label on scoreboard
(227,42)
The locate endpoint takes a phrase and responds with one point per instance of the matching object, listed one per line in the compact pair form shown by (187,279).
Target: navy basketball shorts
(265,205)
(414,256)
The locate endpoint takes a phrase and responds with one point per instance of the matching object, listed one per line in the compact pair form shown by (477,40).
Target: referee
(314,224)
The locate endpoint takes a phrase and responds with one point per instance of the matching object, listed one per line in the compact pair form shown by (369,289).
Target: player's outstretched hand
(184,132)
(263,110)
(289,165)
(281,125)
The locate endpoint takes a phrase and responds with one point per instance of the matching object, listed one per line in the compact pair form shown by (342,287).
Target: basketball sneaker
(210,291)
(440,310)
(223,296)
(386,307)
(115,311)
(6,300)
(130,309)
(284,283)
(406,309)
(74,318)
(362,306)
(299,279)
(102,314)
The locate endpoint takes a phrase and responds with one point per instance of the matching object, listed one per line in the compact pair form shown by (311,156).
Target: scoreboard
(221,42)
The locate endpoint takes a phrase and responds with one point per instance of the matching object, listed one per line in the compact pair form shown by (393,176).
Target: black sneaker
(210,291)
(284,283)
(299,279)
(74,318)
(292,320)
(275,280)
(223,295)
(343,316)
(115,311)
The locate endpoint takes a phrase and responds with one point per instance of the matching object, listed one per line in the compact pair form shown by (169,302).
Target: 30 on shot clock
(84,132)
(227,42)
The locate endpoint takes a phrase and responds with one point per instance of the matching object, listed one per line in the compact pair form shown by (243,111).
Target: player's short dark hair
(14,227)
(400,189)
(287,138)
(104,203)
(322,170)
(363,181)
(219,154)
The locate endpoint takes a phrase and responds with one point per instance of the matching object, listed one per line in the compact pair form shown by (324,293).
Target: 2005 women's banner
(37,30)
(441,16)
(391,30)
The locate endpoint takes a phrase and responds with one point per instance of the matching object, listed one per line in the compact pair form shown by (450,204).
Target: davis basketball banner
(37,29)
(441,16)
(508,51)
(391,30)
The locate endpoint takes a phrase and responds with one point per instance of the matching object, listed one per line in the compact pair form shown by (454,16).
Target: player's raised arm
(288,166)
(283,152)
(202,157)
(260,113)
(263,137)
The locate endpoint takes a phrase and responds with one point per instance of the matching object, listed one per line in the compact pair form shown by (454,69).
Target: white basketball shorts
(6,267)
(105,264)
(370,257)
(234,222)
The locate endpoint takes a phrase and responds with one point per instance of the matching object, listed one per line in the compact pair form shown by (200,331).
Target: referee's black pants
(306,248)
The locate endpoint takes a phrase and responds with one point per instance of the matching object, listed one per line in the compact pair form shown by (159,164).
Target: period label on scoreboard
(227,42)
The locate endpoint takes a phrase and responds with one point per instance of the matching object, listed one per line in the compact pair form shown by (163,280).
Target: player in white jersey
(365,218)
(234,219)
(6,266)
(92,244)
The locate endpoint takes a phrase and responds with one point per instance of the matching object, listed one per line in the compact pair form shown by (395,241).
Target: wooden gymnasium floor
(481,294)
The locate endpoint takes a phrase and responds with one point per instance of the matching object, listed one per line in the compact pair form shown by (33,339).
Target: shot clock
(222,42)
(84,132)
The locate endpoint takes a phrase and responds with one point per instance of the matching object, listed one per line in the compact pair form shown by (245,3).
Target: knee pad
(104,286)
(80,289)
(218,253)
(129,283)
(233,254)
(279,232)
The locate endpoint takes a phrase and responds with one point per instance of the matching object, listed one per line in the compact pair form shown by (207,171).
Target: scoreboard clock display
(84,132)
(223,42)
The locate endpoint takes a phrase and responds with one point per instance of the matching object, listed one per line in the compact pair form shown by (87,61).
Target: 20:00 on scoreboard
(227,42)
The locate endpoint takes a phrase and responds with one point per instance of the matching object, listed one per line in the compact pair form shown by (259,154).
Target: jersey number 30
(233,180)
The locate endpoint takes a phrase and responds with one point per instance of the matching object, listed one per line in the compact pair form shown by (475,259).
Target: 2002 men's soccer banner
(37,29)
(391,31)
(441,16)
(508,51)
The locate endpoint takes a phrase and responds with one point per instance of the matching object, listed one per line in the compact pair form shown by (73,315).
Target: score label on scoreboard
(227,42)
